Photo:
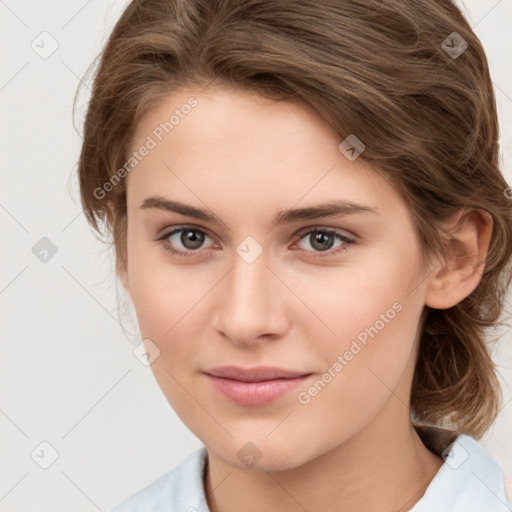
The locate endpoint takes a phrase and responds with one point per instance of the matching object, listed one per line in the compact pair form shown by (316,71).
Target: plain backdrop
(69,377)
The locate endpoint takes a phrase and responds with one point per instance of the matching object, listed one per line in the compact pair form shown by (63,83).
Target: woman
(309,217)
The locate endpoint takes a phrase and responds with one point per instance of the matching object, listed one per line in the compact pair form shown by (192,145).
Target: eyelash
(187,254)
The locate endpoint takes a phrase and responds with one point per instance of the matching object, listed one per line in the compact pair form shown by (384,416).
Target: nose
(252,303)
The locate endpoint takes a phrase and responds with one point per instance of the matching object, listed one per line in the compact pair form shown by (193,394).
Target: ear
(461,271)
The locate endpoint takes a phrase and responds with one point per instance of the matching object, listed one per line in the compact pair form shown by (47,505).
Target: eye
(189,237)
(323,239)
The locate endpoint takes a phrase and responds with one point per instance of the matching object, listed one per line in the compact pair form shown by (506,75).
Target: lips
(259,374)
(254,386)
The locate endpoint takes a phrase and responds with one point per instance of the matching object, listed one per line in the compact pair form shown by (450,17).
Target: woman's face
(334,297)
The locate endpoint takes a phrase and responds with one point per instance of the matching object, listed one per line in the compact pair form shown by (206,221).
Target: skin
(245,158)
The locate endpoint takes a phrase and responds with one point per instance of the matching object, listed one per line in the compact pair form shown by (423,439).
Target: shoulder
(179,489)
(470,480)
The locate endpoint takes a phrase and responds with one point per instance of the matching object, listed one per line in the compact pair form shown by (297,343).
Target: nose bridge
(248,308)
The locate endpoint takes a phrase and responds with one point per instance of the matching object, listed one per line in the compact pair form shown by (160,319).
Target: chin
(261,454)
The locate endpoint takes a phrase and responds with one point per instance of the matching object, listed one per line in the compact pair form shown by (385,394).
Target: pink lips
(255,386)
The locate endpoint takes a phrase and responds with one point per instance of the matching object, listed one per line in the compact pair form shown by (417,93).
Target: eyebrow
(336,208)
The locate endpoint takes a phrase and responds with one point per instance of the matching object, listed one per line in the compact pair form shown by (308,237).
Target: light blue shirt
(468,481)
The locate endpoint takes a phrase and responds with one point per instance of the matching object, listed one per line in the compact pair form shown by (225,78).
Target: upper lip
(258,374)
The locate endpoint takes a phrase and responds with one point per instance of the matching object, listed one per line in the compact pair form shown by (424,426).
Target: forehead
(248,151)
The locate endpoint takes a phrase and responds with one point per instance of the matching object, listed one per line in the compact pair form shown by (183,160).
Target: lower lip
(255,393)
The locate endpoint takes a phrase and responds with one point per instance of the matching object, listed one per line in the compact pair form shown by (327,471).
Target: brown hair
(378,69)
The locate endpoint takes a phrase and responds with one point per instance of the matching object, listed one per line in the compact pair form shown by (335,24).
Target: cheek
(167,306)
(367,318)
(359,300)
(161,292)
(169,302)
(359,365)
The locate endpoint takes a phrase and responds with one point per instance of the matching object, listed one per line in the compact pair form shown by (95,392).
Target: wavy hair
(379,69)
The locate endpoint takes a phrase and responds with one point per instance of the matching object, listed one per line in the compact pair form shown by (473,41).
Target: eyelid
(339,231)
(165,232)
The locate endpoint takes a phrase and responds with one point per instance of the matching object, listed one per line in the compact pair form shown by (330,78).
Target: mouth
(256,386)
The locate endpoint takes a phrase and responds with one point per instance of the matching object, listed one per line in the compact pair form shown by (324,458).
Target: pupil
(322,239)
(191,237)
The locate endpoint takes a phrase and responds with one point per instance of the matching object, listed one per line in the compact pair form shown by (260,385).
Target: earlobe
(459,273)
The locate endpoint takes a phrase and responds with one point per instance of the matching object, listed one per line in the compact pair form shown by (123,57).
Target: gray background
(69,377)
